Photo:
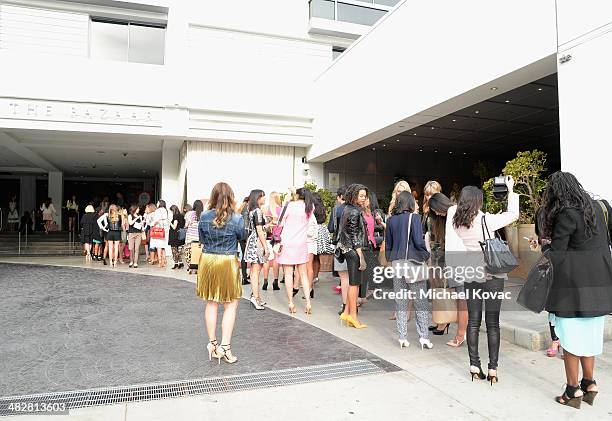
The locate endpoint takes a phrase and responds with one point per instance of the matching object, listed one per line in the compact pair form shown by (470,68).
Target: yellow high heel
(353,323)
(343,317)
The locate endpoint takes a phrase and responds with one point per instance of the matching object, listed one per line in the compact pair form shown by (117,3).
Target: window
(348,12)
(358,14)
(322,9)
(127,41)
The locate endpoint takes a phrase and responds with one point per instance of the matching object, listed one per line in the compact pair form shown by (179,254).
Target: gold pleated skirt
(218,278)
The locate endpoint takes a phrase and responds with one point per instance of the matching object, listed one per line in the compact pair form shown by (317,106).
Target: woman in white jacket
(464,232)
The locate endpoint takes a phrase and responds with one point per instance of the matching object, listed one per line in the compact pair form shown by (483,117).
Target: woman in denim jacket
(220,229)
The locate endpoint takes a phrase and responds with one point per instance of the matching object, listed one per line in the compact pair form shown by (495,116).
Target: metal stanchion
(19,246)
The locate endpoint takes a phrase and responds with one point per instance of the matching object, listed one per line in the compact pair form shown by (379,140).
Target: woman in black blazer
(581,292)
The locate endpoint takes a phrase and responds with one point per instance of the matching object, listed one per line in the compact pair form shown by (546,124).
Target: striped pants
(422,308)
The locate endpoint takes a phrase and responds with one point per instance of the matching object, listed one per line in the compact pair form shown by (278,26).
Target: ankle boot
(275,286)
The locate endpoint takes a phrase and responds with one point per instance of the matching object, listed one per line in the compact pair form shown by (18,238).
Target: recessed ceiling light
(450,152)
(384,145)
(465,153)
(476,112)
(436,151)
(420,150)
(414,134)
(454,120)
(373,149)
(507,101)
(494,88)
(540,89)
(432,127)
(397,140)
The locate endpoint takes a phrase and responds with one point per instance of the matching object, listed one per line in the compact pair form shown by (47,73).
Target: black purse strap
(483,225)
(280,218)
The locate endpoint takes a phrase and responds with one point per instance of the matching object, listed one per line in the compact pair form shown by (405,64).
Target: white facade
(248,88)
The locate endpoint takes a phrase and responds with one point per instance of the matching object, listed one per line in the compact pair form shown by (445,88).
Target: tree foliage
(527,169)
(329,198)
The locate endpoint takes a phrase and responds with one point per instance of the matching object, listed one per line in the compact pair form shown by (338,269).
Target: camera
(500,188)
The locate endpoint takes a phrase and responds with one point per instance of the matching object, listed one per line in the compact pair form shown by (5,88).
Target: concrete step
(526,329)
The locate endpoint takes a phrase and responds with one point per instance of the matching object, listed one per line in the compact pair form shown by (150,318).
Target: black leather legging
(243,264)
(492,307)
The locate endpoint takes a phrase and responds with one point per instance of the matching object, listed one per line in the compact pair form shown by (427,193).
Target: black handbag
(497,255)
(534,294)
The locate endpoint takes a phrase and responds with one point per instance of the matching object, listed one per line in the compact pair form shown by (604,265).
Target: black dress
(89,228)
(582,267)
(173,237)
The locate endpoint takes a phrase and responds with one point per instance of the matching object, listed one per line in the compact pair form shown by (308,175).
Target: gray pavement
(434,384)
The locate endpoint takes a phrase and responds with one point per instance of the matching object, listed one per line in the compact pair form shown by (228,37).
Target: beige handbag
(444,310)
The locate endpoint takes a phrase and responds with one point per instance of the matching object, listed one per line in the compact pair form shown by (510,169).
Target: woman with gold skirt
(220,229)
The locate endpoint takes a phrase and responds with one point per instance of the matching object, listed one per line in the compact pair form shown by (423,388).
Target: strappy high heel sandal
(292,308)
(492,377)
(588,396)
(476,372)
(211,347)
(569,398)
(308,309)
(225,352)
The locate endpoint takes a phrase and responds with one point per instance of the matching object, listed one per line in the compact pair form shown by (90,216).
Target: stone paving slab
(65,328)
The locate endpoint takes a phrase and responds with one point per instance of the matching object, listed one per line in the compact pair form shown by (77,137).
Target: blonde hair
(113,213)
(274,199)
(431,187)
(400,183)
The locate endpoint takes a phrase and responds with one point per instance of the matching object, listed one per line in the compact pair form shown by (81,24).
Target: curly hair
(565,191)
(352,192)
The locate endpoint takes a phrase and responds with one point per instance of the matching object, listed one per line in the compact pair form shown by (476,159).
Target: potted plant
(527,169)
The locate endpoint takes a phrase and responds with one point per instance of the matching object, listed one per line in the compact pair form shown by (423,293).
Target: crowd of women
(239,244)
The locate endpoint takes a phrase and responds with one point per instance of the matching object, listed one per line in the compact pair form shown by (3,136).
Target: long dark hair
(319,208)
(439,203)
(306,195)
(198,207)
(352,193)
(175,210)
(565,191)
(161,203)
(404,203)
(373,202)
(254,198)
(470,203)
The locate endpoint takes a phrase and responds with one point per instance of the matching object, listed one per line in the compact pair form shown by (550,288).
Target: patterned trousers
(177,254)
(422,308)
(187,254)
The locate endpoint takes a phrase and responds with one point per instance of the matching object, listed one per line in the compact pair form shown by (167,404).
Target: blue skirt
(581,336)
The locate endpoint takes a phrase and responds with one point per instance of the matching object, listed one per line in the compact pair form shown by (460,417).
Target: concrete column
(171,189)
(56,193)
(27,194)
(584,69)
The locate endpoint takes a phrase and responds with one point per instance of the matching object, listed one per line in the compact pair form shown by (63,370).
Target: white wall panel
(38,31)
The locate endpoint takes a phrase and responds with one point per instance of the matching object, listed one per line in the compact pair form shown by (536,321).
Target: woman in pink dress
(294,247)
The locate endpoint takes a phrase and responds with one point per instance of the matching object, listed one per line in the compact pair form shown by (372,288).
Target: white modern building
(169,97)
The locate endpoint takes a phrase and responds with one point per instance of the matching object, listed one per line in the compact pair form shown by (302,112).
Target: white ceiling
(89,154)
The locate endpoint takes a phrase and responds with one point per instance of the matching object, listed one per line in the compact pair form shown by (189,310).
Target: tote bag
(497,255)
(444,310)
(534,293)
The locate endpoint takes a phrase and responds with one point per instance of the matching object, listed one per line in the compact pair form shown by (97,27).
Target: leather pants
(492,307)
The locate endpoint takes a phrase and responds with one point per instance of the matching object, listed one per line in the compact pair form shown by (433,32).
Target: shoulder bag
(497,255)
(534,293)
(324,243)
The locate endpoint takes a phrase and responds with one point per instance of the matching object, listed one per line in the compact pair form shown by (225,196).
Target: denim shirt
(223,240)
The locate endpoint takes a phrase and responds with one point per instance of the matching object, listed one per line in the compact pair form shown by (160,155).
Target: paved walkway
(434,386)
